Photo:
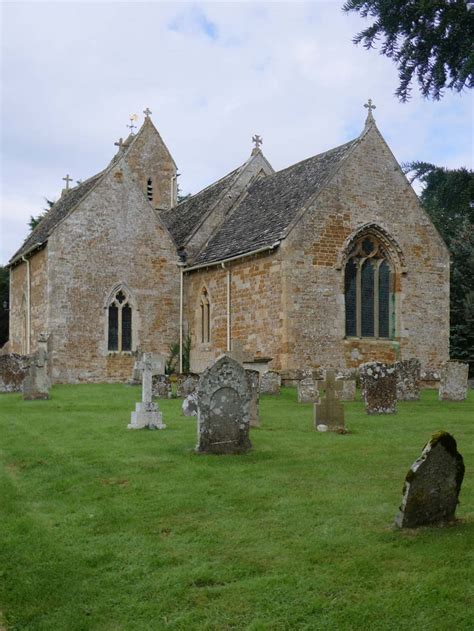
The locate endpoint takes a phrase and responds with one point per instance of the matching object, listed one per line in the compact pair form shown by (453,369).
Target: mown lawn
(110,529)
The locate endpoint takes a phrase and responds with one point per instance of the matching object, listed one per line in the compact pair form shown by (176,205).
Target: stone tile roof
(272,203)
(55,214)
(181,220)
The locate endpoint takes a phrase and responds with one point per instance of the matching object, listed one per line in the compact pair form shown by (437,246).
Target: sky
(213,75)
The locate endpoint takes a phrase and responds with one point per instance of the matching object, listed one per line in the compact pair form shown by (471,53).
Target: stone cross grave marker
(432,485)
(223,399)
(146,413)
(330,411)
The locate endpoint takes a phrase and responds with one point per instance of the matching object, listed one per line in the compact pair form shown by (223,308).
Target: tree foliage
(4,298)
(430,41)
(35,219)
(448,197)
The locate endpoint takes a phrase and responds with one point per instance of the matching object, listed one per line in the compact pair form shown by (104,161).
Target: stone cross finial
(147,112)
(119,144)
(67,179)
(150,367)
(370,106)
(133,118)
(257,140)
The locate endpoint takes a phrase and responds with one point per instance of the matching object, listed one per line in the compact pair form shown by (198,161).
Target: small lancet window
(205,312)
(149,189)
(119,323)
(368,290)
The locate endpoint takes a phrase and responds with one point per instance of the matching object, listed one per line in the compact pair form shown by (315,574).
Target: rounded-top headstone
(223,401)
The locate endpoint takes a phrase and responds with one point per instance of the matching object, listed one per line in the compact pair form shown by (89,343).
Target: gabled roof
(266,213)
(183,218)
(56,213)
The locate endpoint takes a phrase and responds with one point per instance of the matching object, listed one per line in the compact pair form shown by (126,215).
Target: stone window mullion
(358,300)
(376,297)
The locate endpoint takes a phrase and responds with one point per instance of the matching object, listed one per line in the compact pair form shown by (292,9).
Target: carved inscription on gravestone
(223,398)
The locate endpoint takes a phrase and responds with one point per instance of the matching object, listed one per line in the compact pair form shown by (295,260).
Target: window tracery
(119,322)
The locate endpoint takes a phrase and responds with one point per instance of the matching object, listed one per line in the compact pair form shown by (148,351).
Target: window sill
(372,340)
(120,353)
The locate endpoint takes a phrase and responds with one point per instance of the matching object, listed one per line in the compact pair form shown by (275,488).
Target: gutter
(222,262)
(181,320)
(21,257)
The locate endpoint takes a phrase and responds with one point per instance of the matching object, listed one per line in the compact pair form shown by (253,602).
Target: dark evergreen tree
(35,220)
(430,41)
(448,197)
(4,306)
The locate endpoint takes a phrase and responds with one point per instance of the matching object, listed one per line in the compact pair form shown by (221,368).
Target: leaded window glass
(368,290)
(119,322)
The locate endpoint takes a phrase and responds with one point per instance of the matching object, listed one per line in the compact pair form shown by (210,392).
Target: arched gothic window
(205,313)
(368,290)
(120,322)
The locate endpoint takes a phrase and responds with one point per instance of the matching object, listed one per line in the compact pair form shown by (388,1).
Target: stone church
(330,262)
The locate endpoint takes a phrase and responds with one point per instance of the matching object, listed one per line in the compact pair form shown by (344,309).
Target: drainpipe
(229,343)
(28,290)
(181,321)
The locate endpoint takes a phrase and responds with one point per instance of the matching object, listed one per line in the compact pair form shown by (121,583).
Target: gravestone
(453,384)
(348,389)
(328,414)
(189,406)
(307,389)
(429,378)
(270,382)
(186,384)
(147,414)
(223,396)
(13,370)
(408,379)
(378,383)
(161,387)
(432,485)
(238,353)
(253,377)
(37,384)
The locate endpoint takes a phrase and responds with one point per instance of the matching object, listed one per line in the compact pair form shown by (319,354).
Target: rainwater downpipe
(181,321)
(229,342)
(28,314)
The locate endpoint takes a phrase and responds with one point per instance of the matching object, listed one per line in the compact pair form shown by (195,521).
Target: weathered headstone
(307,389)
(186,384)
(270,382)
(224,396)
(147,414)
(37,384)
(408,379)
(453,384)
(161,387)
(189,406)
(329,412)
(13,370)
(378,383)
(430,377)
(432,485)
(239,353)
(253,377)
(348,381)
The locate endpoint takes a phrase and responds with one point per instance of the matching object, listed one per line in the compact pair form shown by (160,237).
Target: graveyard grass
(104,528)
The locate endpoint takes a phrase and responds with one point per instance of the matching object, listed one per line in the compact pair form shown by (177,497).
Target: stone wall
(257,319)
(38,263)
(112,238)
(369,188)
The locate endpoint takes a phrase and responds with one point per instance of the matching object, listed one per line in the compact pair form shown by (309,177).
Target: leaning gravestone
(432,485)
(186,384)
(329,412)
(161,387)
(453,384)
(37,384)
(307,389)
(408,379)
(270,382)
(147,414)
(253,377)
(13,370)
(378,383)
(223,396)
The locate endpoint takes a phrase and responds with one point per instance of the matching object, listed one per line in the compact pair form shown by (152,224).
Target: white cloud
(213,74)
